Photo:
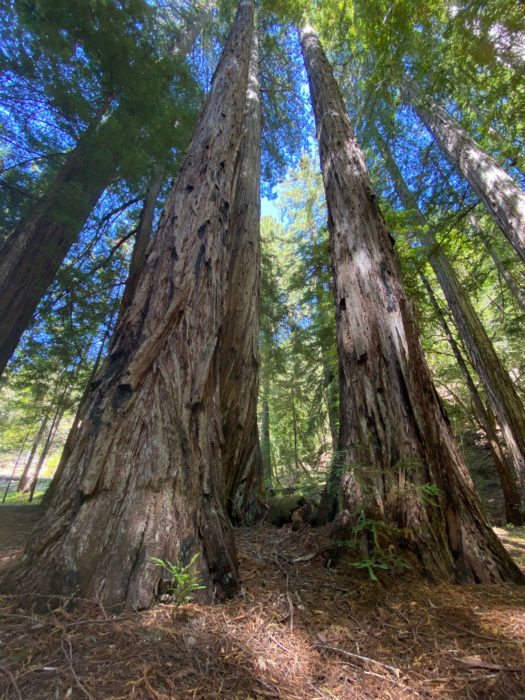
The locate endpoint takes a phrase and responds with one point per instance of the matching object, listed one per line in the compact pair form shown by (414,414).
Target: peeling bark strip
(144,477)
(394,437)
(502,196)
(238,350)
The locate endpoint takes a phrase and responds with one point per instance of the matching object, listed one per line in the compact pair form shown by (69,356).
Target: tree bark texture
(142,238)
(511,493)
(145,475)
(499,388)
(238,348)
(394,435)
(501,195)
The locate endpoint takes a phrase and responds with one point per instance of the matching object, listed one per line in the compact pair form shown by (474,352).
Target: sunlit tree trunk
(511,493)
(57,418)
(499,388)
(36,442)
(238,348)
(502,196)
(145,476)
(394,436)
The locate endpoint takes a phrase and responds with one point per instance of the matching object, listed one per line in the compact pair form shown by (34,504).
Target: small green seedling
(184,581)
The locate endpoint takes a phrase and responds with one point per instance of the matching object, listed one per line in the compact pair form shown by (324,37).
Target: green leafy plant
(184,581)
(379,558)
(370,564)
(427,493)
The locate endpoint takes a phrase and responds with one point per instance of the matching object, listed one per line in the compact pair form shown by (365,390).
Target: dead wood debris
(296,631)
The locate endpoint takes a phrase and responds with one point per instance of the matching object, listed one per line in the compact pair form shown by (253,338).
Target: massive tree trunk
(145,477)
(502,196)
(33,253)
(499,388)
(394,435)
(238,348)
(511,493)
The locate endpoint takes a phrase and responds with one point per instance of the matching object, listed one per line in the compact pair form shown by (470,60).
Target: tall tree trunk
(57,418)
(394,434)
(13,472)
(145,477)
(266,453)
(499,388)
(33,253)
(511,493)
(238,348)
(143,238)
(36,442)
(502,196)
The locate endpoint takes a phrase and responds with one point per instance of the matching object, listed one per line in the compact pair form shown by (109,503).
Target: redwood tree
(395,440)
(499,387)
(511,493)
(145,474)
(503,197)
(238,348)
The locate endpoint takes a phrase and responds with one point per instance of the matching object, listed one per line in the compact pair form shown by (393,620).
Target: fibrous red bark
(238,349)
(395,442)
(499,387)
(145,477)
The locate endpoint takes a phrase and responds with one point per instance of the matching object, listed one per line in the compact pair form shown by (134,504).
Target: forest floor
(299,629)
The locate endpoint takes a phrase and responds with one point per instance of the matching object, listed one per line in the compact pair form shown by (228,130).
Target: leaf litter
(299,629)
